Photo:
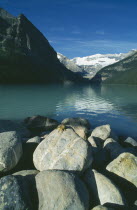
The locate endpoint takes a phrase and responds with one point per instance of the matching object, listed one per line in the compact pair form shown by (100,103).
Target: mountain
(122,72)
(88,66)
(93,63)
(69,64)
(26,55)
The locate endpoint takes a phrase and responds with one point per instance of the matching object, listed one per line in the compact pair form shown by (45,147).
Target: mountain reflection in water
(112,104)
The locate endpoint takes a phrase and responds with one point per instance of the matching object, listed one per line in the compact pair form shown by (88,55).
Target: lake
(107,104)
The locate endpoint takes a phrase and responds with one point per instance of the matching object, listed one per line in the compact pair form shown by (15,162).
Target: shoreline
(46,153)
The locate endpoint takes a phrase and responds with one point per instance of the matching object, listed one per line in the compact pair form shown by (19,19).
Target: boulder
(8,125)
(10,150)
(102,189)
(80,126)
(18,192)
(63,149)
(131,142)
(103,132)
(35,139)
(39,123)
(125,166)
(59,190)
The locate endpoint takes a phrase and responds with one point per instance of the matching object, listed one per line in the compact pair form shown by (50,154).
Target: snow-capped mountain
(122,72)
(88,66)
(93,63)
(98,59)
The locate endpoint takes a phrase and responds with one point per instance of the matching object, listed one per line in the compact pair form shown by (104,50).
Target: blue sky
(82,27)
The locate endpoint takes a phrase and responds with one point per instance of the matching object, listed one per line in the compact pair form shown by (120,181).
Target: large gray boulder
(40,123)
(80,125)
(59,190)
(103,189)
(10,150)
(8,125)
(63,149)
(18,192)
(125,166)
(103,132)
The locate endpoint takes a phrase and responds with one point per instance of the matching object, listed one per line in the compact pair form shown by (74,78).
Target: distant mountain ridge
(26,55)
(93,63)
(122,72)
(88,66)
(100,59)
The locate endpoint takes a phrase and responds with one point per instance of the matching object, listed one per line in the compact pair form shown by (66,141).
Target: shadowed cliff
(26,55)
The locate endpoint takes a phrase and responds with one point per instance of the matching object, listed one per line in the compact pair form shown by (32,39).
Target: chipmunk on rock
(61,127)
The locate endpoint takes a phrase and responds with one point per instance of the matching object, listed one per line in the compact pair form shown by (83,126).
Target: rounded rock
(103,189)
(10,150)
(61,190)
(63,149)
(125,166)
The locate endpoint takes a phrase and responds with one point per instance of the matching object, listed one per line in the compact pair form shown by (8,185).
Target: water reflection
(88,99)
(116,105)
(124,98)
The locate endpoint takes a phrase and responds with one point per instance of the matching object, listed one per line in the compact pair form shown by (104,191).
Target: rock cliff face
(26,55)
(69,64)
(122,72)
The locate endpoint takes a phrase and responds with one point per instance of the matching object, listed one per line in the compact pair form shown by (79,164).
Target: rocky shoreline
(45,164)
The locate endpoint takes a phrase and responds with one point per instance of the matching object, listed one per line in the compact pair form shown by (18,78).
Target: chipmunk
(61,127)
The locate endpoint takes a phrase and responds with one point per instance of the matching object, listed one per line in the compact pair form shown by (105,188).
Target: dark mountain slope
(26,55)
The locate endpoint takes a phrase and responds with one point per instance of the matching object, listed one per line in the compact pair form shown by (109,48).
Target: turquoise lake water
(108,104)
